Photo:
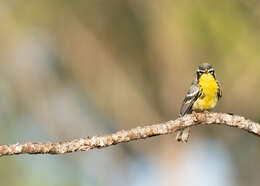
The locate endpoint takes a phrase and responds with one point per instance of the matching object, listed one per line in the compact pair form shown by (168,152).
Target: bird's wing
(219,90)
(193,93)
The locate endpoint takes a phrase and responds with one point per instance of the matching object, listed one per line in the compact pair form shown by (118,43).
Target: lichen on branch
(169,127)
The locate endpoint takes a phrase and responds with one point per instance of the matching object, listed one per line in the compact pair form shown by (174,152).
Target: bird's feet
(206,111)
(196,115)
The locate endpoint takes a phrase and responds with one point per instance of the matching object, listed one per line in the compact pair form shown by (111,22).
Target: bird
(203,95)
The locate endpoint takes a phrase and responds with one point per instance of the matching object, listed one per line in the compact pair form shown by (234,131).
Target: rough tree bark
(85,144)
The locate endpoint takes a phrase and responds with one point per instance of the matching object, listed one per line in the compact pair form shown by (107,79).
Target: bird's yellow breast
(209,91)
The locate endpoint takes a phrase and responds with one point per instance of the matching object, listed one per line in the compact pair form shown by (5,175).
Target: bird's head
(205,68)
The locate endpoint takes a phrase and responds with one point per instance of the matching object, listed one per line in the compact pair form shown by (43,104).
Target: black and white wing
(192,95)
(219,90)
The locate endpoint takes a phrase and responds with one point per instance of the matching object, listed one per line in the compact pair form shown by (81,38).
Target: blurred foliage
(70,69)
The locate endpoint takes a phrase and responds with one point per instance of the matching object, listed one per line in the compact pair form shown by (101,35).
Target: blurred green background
(71,69)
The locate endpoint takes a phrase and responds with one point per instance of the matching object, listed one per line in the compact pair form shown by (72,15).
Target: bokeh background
(71,69)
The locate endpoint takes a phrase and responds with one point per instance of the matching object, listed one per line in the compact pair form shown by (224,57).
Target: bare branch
(85,144)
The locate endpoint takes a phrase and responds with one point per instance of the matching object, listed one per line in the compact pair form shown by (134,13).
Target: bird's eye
(199,73)
(212,72)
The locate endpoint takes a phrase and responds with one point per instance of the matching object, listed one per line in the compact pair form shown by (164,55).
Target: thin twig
(85,144)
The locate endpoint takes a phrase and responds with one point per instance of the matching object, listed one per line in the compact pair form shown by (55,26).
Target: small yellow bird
(203,95)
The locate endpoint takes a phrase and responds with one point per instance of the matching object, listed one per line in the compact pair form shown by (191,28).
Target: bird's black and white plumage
(191,96)
(203,94)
